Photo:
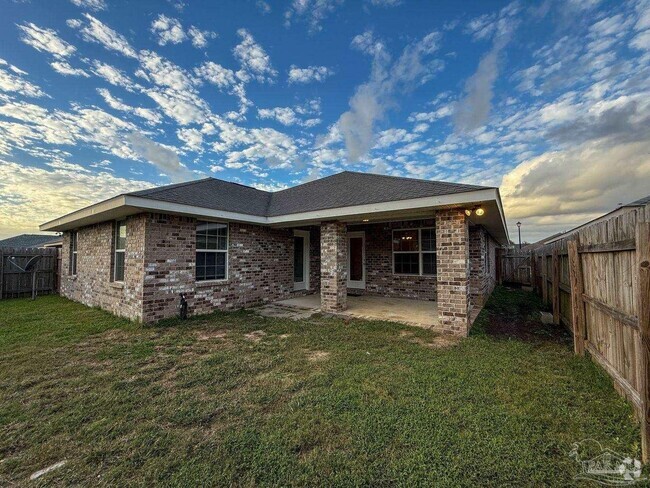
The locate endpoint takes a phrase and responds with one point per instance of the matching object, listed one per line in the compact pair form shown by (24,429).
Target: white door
(301,260)
(357,260)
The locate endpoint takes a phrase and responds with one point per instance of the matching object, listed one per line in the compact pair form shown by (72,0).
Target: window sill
(117,284)
(209,283)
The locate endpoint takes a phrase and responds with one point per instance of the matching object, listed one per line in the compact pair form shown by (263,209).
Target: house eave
(124,205)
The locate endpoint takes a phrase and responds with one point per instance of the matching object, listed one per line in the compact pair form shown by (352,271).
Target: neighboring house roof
(344,195)
(29,240)
(641,202)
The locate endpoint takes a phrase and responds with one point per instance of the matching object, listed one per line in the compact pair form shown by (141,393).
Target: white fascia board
(503,216)
(84,213)
(396,205)
(67,221)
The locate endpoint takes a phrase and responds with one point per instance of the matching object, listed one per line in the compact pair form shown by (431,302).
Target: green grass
(315,402)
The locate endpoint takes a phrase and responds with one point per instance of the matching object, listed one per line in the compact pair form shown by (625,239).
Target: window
(120,248)
(211,251)
(73,252)
(414,251)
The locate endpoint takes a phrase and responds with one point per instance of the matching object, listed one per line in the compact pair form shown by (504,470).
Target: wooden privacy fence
(597,282)
(514,266)
(14,282)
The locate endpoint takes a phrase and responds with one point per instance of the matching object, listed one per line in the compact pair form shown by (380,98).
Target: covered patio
(418,313)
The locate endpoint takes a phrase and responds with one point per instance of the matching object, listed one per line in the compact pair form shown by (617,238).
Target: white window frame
(74,246)
(224,251)
(419,252)
(303,285)
(116,250)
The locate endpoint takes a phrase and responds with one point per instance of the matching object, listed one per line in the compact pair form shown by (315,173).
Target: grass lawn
(237,399)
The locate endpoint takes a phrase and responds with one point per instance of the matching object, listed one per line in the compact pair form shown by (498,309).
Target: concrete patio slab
(411,312)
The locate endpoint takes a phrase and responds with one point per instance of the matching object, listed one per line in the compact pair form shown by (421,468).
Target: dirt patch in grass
(315,356)
(437,342)
(526,330)
(206,335)
(255,336)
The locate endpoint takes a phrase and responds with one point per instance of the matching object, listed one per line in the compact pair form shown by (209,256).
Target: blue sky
(548,100)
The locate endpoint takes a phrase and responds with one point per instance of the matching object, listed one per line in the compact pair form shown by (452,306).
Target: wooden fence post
(544,279)
(643,306)
(533,271)
(578,315)
(556,287)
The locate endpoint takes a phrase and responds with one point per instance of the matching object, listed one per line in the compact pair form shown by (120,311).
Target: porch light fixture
(477,210)
(365,220)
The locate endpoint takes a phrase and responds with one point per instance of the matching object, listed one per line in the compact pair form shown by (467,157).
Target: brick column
(333,267)
(452,244)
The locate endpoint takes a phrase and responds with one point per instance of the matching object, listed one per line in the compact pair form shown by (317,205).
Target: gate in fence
(26,272)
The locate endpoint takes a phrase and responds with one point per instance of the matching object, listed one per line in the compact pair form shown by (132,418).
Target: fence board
(597,281)
(15,283)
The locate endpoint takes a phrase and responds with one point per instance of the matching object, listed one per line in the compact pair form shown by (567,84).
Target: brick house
(228,246)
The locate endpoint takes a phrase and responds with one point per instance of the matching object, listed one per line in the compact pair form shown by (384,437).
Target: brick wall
(333,260)
(260,268)
(380,279)
(452,241)
(482,265)
(93,285)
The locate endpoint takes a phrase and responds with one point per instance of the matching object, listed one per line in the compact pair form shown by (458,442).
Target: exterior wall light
(468,212)
(365,220)
(480,211)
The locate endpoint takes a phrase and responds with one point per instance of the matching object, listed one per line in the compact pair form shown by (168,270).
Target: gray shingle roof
(639,203)
(28,240)
(339,190)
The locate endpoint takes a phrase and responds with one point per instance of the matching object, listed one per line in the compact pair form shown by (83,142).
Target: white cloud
(96,31)
(309,74)
(64,68)
(192,138)
(91,4)
(151,116)
(473,110)
(114,76)
(14,82)
(216,74)
(165,158)
(641,41)
(263,7)
(559,190)
(253,58)
(372,99)
(200,37)
(286,116)
(312,11)
(168,30)
(45,40)
(31,195)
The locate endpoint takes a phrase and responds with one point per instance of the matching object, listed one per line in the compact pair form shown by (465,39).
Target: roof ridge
(416,179)
(157,189)
(309,182)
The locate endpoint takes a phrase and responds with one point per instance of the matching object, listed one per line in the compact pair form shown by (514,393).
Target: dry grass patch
(315,356)
(255,336)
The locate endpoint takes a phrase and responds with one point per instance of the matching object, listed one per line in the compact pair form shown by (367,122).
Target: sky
(549,100)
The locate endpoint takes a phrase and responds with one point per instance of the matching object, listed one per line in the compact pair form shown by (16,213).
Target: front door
(300,260)
(357,260)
